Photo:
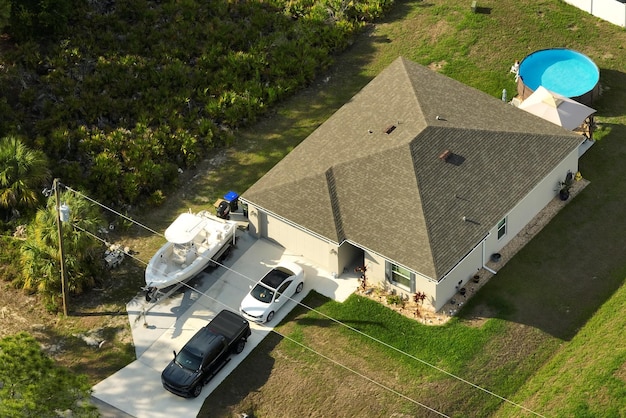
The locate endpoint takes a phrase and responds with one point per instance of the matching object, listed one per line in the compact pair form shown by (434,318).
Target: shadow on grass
(573,266)
(612,101)
(312,302)
(247,378)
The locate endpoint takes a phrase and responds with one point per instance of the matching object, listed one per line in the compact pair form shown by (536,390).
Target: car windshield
(262,293)
(188,360)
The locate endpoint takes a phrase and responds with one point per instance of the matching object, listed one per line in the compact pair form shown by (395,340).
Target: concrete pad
(136,389)
(159,329)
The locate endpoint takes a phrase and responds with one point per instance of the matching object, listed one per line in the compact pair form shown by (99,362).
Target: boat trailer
(154,294)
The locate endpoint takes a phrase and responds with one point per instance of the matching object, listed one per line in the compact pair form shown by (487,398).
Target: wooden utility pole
(55,186)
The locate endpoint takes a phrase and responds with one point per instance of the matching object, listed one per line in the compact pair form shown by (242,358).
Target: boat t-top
(193,242)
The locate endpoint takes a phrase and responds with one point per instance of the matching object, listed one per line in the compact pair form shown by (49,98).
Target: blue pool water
(563,71)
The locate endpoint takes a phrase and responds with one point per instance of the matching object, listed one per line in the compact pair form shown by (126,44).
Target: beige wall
(532,204)
(296,241)
(459,276)
(336,259)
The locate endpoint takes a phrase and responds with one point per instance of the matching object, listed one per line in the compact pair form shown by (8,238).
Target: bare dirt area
(21,312)
(94,338)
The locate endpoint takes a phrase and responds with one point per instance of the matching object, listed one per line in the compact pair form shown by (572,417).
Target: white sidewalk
(137,390)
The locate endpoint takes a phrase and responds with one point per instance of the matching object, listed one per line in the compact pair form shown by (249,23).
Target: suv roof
(202,342)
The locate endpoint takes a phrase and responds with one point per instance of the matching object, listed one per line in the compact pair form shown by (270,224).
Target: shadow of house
(248,377)
(560,280)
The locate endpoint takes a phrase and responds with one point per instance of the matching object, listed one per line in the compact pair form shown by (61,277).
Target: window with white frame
(502,228)
(400,276)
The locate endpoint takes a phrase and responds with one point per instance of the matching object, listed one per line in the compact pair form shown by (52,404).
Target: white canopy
(184,228)
(557,109)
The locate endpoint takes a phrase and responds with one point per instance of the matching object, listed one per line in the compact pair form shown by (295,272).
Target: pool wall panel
(568,68)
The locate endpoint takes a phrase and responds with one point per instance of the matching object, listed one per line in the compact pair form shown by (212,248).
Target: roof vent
(390,129)
(445,155)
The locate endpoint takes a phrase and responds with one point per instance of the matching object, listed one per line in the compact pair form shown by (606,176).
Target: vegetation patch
(28,376)
(539,342)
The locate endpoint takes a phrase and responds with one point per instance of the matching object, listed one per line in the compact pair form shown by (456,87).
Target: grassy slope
(539,301)
(587,376)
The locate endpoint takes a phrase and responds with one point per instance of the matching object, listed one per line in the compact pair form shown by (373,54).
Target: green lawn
(555,341)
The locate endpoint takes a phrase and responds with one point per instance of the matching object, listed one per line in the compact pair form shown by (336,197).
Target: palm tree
(82,252)
(23,172)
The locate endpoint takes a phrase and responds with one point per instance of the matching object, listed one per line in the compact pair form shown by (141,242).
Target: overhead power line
(112,210)
(424,362)
(363,376)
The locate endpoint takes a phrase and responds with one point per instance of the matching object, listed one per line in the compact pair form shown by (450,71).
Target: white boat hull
(179,260)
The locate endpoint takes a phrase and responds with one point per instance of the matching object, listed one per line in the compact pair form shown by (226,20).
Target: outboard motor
(223,210)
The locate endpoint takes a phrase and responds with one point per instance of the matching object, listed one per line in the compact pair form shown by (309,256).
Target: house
(418,177)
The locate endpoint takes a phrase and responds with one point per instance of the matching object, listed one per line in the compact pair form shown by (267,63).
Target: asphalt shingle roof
(372,173)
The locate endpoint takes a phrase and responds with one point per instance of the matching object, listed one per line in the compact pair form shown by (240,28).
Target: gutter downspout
(484,265)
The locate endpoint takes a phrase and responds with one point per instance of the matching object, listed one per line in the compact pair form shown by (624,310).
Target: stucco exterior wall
(337,259)
(458,276)
(375,269)
(296,241)
(378,275)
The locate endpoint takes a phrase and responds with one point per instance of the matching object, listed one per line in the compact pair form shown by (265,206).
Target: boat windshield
(181,249)
(262,293)
(188,360)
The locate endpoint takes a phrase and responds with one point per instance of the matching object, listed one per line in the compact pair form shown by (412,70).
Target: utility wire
(452,375)
(369,379)
(395,392)
(112,210)
(398,350)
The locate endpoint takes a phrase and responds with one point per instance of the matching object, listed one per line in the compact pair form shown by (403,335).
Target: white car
(272,291)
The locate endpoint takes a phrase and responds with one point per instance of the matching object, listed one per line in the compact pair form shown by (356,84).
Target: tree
(82,252)
(32,385)
(23,172)
(5,14)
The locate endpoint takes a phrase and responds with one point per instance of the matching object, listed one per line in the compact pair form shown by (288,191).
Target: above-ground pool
(563,71)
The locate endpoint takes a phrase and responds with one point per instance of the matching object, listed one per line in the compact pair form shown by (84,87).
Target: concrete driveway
(136,390)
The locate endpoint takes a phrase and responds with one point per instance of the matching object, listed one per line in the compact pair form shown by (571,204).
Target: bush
(34,386)
(395,300)
(40,19)
(9,258)
(138,90)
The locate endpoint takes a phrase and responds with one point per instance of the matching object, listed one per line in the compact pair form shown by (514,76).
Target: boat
(193,242)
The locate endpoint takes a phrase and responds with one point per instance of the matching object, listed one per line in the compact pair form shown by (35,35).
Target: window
(401,276)
(283,287)
(502,228)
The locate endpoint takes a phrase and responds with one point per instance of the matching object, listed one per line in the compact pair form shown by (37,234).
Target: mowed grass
(371,361)
(553,342)
(587,376)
